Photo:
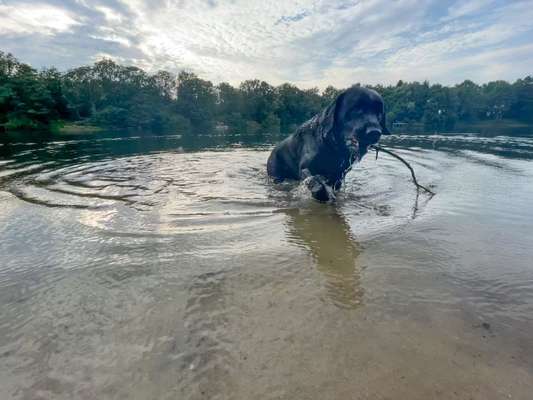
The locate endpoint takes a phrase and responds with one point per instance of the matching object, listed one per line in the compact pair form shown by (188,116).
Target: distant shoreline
(76,129)
(108,95)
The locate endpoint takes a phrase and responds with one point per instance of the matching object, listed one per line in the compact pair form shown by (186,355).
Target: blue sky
(306,42)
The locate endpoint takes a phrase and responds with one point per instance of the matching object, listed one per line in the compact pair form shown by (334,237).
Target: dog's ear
(328,118)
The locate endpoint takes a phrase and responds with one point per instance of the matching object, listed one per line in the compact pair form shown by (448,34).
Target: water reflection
(324,231)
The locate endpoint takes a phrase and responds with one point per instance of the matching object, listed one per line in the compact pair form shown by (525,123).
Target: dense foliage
(110,95)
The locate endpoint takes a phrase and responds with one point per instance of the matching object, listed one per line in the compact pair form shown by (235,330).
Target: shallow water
(155,268)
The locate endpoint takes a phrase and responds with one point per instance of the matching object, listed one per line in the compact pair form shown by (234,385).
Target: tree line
(109,95)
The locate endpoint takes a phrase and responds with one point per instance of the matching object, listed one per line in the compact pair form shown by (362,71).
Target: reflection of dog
(325,233)
(324,148)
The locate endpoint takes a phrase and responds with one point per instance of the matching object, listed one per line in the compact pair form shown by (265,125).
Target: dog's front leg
(318,186)
(337,185)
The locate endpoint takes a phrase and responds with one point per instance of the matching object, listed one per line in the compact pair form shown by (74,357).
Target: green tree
(113,95)
(296,106)
(26,100)
(196,100)
(522,108)
(499,98)
(259,100)
(471,101)
(440,109)
(329,94)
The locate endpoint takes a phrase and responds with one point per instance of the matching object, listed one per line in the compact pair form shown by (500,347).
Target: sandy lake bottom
(147,268)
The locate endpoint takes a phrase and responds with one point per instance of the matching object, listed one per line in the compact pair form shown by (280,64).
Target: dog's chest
(330,164)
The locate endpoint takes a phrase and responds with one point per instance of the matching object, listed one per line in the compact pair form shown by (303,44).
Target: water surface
(154,267)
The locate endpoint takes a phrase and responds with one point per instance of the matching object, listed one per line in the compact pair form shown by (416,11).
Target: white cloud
(307,42)
(465,8)
(109,14)
(268,39)
(43,19)
(112,38)
(116,35)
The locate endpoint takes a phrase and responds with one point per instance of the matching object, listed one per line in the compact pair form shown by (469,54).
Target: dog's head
(357,119)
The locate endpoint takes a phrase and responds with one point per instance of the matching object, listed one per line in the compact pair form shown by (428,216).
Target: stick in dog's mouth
(413,176)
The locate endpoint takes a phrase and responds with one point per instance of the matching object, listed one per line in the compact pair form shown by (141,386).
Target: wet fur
(318,152)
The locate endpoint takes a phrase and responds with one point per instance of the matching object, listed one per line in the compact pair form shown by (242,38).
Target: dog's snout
(373,131)
(373,134)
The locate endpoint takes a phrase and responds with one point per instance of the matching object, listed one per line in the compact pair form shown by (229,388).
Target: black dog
(324,148)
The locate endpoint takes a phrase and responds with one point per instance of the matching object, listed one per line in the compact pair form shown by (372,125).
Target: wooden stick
(418,186)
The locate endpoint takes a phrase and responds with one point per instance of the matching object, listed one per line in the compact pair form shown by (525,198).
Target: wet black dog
(324,148)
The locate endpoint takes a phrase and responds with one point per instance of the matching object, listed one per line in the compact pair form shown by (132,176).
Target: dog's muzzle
(353,144)
(371,136)
(361,141)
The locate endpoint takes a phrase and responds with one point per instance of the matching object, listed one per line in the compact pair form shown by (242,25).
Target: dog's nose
(372,135)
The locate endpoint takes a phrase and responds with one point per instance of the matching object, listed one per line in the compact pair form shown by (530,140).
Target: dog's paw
(320,190)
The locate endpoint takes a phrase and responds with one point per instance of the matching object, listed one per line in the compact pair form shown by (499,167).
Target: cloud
(38,18)
(307,42)
(245,39)
(294,18)
(110,15)
(467,8)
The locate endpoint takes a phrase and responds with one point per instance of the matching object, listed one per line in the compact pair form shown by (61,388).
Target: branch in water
(418,186)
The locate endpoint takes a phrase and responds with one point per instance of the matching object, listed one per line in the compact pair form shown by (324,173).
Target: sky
(305,42)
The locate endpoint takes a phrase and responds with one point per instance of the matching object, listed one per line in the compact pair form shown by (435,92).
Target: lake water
(151,267)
